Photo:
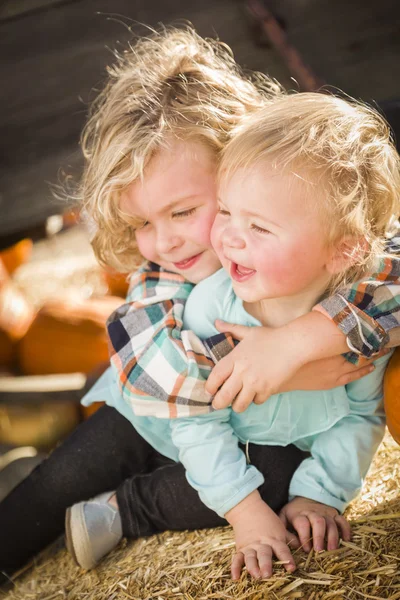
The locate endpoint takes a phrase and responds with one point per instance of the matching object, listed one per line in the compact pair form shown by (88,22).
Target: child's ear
(347,252)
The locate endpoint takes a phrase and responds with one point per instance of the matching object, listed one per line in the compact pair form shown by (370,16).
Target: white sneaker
(92,529)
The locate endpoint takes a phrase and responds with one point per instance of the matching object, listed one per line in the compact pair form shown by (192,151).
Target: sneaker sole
(77,538)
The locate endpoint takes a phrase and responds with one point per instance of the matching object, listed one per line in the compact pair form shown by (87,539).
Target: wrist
(250,505)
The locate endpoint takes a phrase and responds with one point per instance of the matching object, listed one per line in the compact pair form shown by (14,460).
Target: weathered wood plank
(50,61)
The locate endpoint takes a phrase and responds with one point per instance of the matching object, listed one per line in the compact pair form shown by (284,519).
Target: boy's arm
(368,312)
(266,359)
(362,318)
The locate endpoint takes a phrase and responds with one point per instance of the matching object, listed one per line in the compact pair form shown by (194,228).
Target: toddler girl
(308,189)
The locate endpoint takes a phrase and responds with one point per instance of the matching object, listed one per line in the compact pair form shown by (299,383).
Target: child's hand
(261,365)
(255,369)
(314,520)
(259,535)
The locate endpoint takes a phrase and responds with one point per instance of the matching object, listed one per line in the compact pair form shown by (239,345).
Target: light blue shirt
(341,428)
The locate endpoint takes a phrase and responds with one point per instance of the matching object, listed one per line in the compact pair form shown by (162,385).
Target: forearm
(314,336)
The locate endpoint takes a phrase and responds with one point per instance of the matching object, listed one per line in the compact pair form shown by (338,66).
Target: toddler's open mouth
(240,273)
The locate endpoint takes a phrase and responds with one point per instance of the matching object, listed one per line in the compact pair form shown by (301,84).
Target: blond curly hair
(172,82)
(343,151)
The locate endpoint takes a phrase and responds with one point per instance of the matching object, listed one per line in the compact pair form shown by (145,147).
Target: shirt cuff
(321,495)
(364,335)
(231,495)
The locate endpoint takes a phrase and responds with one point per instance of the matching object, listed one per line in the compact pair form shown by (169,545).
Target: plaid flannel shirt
(366,311)
(162,370)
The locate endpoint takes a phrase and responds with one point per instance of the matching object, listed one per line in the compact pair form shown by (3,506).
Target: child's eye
(259,229)
(223,212)
(143,225)
(184,213)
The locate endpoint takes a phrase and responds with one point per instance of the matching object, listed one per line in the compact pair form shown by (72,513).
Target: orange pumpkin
(71,217)
(16,255)
(117,283)
(7,351)
(67,337)
(392,395)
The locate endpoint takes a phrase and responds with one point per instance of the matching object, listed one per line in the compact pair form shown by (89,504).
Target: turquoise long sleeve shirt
(341,428)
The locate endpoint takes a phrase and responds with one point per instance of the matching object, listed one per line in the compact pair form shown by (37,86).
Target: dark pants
(105,453)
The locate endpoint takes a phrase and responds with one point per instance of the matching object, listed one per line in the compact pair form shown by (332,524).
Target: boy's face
(175,206)
(268,235)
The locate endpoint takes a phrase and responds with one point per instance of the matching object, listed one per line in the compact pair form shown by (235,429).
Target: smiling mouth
(188,262)
(240,273)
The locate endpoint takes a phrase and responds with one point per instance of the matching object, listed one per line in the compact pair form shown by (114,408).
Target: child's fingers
(251,562)
(264,556)
(283,553)
(344,527)
(219,374)
(237,331)
(260,398)
(237,565)
(318,526)
(356,374)
(228,392)
(302,525)
(332,534)
(243,399)
(292,541)
(283,518)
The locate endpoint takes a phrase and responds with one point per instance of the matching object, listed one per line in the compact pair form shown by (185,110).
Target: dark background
(53,54)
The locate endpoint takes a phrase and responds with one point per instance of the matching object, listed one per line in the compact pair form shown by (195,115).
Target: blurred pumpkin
(8,350)
(16,313)
(71,217)
(67,337)
(117,283)
(392,395)
(15,256)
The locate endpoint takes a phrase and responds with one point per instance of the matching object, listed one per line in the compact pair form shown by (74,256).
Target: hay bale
(196,565)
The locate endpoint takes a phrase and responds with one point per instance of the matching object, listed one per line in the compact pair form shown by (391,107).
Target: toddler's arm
(216,467)
(341,456)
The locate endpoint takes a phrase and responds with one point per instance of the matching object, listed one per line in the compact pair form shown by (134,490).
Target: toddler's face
(269,237)
(175,206)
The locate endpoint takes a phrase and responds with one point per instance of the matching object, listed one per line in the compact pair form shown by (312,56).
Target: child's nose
(167,241)
(232,238)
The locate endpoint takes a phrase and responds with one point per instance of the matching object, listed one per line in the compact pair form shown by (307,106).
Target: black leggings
(106,453)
